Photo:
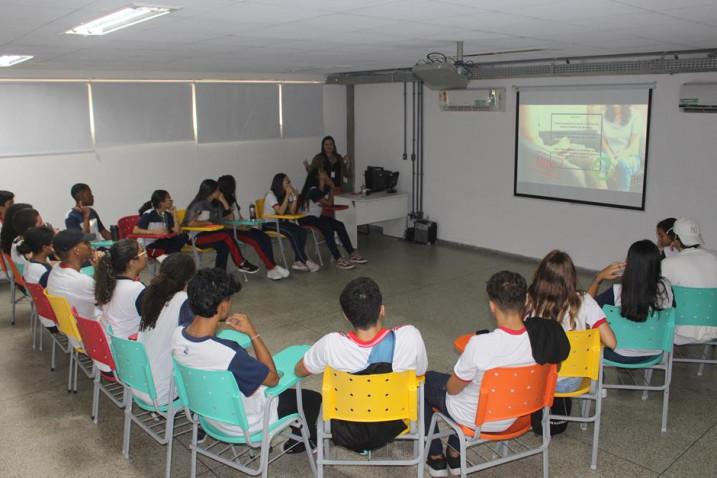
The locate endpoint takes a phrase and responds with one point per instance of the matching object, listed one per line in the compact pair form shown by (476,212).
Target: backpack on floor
(360,437)
(561,406)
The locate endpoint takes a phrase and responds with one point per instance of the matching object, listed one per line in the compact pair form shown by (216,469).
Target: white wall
(123,178)
(469,162)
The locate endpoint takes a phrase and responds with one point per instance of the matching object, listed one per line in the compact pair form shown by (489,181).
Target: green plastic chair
(134,372)
(697,306)
(656,332)
(214,395)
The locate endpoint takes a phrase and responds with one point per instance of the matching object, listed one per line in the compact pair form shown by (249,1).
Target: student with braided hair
(118,290)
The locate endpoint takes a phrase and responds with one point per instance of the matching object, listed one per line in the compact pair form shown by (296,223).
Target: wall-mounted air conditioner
(698,97)
(473,99)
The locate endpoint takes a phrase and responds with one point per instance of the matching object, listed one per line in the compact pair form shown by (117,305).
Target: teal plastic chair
(697,306)
(656,333)
(134,373)
(214,395)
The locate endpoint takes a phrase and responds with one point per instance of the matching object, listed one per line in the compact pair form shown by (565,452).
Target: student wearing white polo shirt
(365,348)
(82,216)
(318,191)
(164,308)
(118,289)
(210,294)
(693,266)
(456,395)
(38,242)
(72,246)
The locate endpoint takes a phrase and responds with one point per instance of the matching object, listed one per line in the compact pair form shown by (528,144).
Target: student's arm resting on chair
(242,323)
(315,359)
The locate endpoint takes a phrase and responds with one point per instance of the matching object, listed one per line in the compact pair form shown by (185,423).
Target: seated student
(692,266)
(118,290)
(257,239)
(210,294)
(164,308)
(7,199)
(282,199)
(9,237)
(666,237)
(201,212)
(456,395)
(318,191)
(72,246)
(23,220)
(82,216)
(554,295)
(367,348)
(641,290)
(38,242)
(159,216)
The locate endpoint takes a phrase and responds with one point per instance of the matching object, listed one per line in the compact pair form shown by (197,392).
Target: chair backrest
(370,398)
(42,305)
(585,355)
(180,215)
(132,365)
(65,317)
(95,341)
(15,273)
(2,263)
(654,333)
(259,203)
(512,392)
(126,224)
(212,394)
(695,306)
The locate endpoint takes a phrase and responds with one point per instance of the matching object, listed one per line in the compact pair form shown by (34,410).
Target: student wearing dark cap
(72,246)
(82,216)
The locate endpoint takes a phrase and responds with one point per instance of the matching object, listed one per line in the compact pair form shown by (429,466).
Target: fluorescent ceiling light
(10,60)
(124,18)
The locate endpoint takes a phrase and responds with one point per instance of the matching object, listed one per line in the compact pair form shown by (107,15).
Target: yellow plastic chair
(371,398)
(584,362)
(67,325)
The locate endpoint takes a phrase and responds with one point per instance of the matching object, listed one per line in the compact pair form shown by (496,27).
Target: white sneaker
(313,266)
(274,274)
(299,266)
(284,272)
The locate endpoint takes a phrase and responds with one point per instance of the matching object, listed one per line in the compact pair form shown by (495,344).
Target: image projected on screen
(584,146)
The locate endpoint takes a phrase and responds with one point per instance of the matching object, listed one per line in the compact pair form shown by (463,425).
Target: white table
(383,209)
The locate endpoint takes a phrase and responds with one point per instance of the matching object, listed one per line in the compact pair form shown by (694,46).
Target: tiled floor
(439,289)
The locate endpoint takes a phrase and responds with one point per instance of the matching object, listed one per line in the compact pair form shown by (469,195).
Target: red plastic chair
(126,225)
(44,309)
(98,349)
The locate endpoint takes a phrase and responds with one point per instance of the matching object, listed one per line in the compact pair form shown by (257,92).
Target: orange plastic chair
(505,393)
(17,283)
(461,342)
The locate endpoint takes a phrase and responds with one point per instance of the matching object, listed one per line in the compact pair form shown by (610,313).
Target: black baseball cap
(69,238)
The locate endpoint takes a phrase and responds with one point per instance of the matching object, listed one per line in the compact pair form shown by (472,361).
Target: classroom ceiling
(230,38)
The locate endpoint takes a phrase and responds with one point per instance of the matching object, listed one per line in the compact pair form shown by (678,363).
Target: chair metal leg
(666,393)
(13,292)
(169,435)
(52,356)
(701,369)
(71,369)
(648,379)
(195,431)
(96,395)
(127,422)
(546,442)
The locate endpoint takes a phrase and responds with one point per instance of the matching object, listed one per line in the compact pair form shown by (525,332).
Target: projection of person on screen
(621,145)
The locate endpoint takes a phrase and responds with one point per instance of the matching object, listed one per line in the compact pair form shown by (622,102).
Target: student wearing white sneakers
(368,348)
(164,308)
(118,289)
(693,266)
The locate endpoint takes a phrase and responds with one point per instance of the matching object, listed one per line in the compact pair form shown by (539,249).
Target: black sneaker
(201,435)
(248,268)
(292,446)
(454,464)
(437,466)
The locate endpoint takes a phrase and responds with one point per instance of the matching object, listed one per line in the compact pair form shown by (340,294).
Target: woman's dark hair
(35,239)
(112,264)
(209,288)
(330,138)
(277,186)
(642,289)
(158,197)
(206,189)
(24,219)
(228,186)
(174,274)
(610,113)
(8,233)
(667,225)
(312,181)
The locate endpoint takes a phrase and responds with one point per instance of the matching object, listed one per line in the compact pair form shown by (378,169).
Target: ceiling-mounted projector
(442,76)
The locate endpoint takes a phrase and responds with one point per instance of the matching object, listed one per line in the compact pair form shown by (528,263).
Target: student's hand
(84,210)
(96,257)
(172,210)
(241,323)
(611,272)
(306,164)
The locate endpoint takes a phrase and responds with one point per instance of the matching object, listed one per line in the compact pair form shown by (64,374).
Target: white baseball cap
(688,231)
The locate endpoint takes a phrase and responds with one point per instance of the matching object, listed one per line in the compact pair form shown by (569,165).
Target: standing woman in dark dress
(330,161)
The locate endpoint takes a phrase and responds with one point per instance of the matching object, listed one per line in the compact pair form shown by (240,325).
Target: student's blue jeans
(434,396)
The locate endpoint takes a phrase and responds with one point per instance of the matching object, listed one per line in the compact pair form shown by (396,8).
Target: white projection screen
(583,144)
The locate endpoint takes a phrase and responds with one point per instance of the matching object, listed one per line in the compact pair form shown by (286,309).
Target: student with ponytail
(159,216)
(255,238)
(202,212)
(118,290)
(164,308)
